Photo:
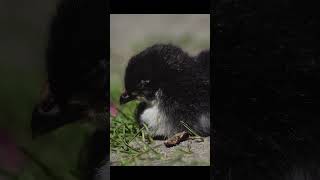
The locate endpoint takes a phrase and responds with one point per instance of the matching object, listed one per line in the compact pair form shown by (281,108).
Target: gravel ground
(199,154)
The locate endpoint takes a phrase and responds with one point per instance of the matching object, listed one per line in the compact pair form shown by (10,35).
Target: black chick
(76,65)
(172,86)
(77,86)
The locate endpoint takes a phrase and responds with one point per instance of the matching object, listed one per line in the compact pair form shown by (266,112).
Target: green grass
(131,143)
(124,130)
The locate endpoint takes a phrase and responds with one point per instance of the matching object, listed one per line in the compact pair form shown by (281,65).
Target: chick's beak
(126,97)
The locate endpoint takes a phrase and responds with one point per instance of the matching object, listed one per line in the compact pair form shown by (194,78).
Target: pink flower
(113,110)
(11,159)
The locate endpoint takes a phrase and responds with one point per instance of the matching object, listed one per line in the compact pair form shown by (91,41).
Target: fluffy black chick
(77,85)
(172,87)
(77,68)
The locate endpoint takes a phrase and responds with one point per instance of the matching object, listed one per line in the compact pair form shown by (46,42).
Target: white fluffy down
(156,121)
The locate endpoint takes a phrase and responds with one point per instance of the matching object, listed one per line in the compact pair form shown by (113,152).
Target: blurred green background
(23,40)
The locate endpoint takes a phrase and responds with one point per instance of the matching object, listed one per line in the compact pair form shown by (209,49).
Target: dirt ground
(187,153)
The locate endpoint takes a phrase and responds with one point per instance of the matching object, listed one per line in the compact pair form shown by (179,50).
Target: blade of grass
(191,131)
(140,130)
